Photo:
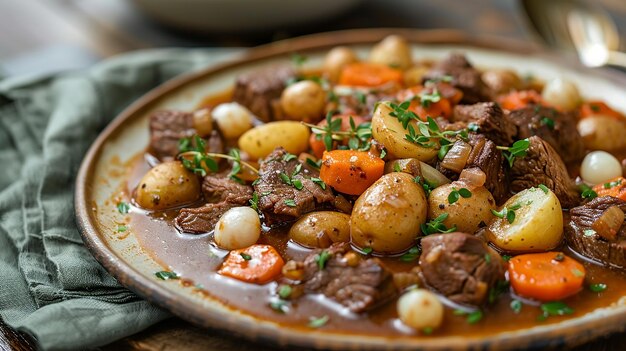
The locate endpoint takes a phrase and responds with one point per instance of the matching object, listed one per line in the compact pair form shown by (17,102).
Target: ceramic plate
(104,172)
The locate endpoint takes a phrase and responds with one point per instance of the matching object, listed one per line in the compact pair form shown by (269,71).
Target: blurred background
(41,36)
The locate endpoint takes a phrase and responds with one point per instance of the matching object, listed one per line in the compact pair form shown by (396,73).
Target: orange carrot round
(317,144)
(349,171)
(615,187)
(520,99)
(547,276)
(369,74)
(257,264)
(590,108)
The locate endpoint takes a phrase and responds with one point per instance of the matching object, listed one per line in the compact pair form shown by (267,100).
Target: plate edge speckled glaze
(570,332)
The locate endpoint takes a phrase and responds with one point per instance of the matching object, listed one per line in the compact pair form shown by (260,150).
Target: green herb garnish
(322,258)
(279,306)
(600,287)
(544,188)
(516,306)
(586,192)
(318,322)
(519,149)
(123,207)
(284,291)
(555,308)
(122,228)
(166,275)
(548,122)
(290,203)
(508,213)
(411,255)
(455,194)
(245,256)
(436,226)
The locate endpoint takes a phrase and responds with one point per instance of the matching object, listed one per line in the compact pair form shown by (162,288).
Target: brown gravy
(196,259)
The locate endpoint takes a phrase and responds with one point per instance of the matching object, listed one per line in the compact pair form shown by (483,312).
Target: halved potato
(537,226)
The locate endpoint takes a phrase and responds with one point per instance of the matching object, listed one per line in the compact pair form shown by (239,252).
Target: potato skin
(167,185)
(466,214)
(321,229)
(392,51)
(388,215)
(260,141)
(336,59)
(538,224)
(388,131)
(304,101)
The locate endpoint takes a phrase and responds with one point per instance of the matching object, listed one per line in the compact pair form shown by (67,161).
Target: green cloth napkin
(50,285)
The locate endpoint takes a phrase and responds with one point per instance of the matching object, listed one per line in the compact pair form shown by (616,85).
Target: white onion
(238,228)
(473,177)
(562,93)
(599,167)
(420,309)
(432,175)
(232,119)
(457,156)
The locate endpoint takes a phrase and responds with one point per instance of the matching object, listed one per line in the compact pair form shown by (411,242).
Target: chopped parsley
(254,202)
(589,232)
(318,322)
(586,192)
(507,213)
(367,250)
(360,97)
(322,258)
(507,258)
(166,275)
(613,184)
(600,287)
(516,306)
(559,257)
(455,194)
(284,291)
(519,149)
(555,308)
(122,228)
(123,207)
(314,164)
(279,306)
(288,157)
(544,188)
(290,203)
(436,226)
(472,317)
(548,122)
(245,256)
(298,59)
(500,288)
(383,153)
(411,255)
(319,182)
(473,127)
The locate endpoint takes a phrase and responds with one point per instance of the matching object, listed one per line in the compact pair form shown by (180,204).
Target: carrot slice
(547,276)
(590,108)
(520,99)
(442,107)
(317,143)
(349,171)
(369,74)
(615,187)
(256,264)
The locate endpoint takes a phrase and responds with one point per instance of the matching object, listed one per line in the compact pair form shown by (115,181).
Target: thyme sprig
(519,149)
(358,137)
(193,155)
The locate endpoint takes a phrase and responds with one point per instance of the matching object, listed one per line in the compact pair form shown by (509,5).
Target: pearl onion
(420,309)
(600,166)
(562,93)
(238,228)
(232,119)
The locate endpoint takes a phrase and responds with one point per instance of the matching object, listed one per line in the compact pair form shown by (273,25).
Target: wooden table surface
(97,29)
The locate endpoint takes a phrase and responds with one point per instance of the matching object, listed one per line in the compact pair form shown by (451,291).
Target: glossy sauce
(196,259)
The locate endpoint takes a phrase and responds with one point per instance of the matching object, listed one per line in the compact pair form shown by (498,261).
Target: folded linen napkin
(50,285)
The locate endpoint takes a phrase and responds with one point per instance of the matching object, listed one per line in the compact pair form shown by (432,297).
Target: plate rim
(570,332)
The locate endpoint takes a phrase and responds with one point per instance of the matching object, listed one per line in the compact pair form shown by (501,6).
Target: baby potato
(304,101)
(392,51)
(420,309)
(466,214)
(260,141)
(238,228)
(388,215)
(536,226)
(166,185)
(232,119)
(415,75)
(602,132)
(336,59)
(562,93)
(502,81)
(388,131)
(321,229)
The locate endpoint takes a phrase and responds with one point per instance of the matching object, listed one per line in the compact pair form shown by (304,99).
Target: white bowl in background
(241,15)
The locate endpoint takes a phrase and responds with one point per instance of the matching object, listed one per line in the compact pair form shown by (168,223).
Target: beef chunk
(201,219)
(543,165)
(464,77)
(360,285)
(260,90)
(581,236)
(557,128)
(460,266)
(222,195)
(489,119)
(489,159)
(275,196)
(166,128)
(219,189)
(358,102)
